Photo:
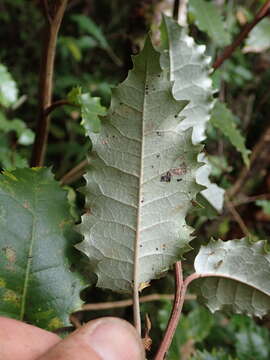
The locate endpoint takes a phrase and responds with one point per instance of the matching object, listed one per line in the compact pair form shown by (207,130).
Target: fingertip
(102,339)
(113,338)
(23,341)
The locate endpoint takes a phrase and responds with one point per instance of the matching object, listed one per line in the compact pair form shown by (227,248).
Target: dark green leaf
(38,284)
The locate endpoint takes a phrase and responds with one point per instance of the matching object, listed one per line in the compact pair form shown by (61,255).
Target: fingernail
(116,339)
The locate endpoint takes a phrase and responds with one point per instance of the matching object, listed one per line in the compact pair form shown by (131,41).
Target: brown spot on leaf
(11,297)
(104,142)
(181,170)
(166,177)
(218,264)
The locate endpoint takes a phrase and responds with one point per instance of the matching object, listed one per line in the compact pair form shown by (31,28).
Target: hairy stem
(261,14)
(46,80)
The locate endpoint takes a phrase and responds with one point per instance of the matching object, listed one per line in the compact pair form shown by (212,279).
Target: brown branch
(75,173)
(175,314)
(260,151)
(129,302)
(46,82)
(47,11)
(177,307)
(249,199)
(237,217)
(262,13)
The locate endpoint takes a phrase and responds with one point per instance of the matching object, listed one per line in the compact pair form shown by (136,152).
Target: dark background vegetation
(83,59)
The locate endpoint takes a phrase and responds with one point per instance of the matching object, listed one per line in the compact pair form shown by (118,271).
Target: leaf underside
(239,276)
(140,182)
(189,69)
(36,250)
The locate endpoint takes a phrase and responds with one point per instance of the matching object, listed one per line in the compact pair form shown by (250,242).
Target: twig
(46,82)
(129,302)
(262,13)
(237,217)
(260,150)
(47,11)
(250,199)
(176,9)
(57,104)
(177,308)
(175,314)
(75,173)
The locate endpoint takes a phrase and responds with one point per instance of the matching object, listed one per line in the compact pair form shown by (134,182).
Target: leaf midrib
(232,278)
(138,225)
(29,263)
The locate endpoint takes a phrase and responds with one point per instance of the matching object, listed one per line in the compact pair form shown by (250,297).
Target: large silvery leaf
(237,276)
(189,70)
(140,181)
(36,250)
(208,19)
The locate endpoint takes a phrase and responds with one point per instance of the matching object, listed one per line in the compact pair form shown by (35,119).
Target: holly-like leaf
(140,182)
(224,120)
(189,69)
(237,276)
(91,109)
(208,19)
(37,281)
(8,88)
